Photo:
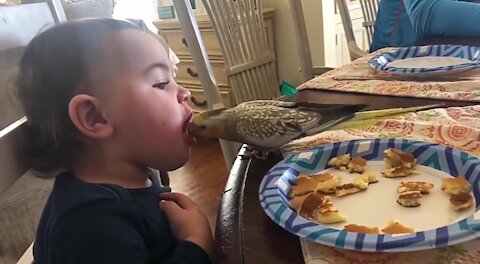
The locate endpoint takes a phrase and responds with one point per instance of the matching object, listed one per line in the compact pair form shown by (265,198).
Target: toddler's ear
(88,117)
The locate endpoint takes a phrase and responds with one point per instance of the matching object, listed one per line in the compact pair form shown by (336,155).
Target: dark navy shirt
(105,223)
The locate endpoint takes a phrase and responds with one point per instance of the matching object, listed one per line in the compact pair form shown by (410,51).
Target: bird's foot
(251,152)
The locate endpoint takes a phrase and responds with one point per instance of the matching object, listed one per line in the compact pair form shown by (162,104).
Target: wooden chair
(250,63)
(369,10)
(303,47)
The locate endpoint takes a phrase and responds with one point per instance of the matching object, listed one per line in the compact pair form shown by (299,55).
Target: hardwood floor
(203,178)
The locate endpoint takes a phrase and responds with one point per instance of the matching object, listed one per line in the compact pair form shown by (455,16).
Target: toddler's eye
(160,85)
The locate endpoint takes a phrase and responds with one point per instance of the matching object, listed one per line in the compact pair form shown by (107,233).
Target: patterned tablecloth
(458,127)
(468,90)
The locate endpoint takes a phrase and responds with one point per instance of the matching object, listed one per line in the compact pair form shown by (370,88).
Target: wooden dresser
(187,75)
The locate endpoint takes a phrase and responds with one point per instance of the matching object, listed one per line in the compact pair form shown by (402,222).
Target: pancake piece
(409,199)
(303,185)
(396,228)
(340,162)
(297,201)
(361,229)
(365,179)
(398,172)
(319,208)
(461,201)
(396,158)
(408,186)
(357,164)
(328,185)
(346,189)
(456,185)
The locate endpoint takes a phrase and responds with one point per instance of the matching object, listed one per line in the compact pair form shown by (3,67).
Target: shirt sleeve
(444,17)
(108,232)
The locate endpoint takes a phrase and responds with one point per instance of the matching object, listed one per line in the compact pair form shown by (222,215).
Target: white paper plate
(437,224)
(427,60)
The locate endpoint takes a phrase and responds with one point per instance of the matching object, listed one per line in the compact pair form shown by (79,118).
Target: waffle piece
(408,186)
(396,228)
(461,201)
(346,189)
(340,162)
(456,185)
(318,208)
(365,179)
(357,164)
(396,158)
(361,229)
(409,199)
(398,172)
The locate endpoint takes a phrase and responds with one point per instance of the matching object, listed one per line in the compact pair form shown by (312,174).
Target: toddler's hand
(187,222)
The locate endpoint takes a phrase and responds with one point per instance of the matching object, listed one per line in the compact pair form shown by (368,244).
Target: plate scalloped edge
(381,61)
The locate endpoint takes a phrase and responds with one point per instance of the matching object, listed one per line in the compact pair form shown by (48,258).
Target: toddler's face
(147,107)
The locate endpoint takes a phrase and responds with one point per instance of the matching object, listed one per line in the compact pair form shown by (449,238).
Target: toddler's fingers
(181,199)
(169,206)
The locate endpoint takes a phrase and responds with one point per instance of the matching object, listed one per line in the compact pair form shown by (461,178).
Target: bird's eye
(203,126)
(160,85)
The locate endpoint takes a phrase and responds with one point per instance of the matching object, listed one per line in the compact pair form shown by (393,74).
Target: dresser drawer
(188,73)
(177,42)
(199,101)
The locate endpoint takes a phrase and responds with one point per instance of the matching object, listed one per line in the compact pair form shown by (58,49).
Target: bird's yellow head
(207,124)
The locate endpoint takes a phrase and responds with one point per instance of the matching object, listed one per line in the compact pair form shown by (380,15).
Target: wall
(287,58)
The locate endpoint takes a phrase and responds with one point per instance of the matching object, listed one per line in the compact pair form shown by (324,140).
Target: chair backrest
(20,205)
(369,11)
(250,63)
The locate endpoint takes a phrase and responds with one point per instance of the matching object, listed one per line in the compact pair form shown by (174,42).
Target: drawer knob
(184,41)
(192,73)
(198,103)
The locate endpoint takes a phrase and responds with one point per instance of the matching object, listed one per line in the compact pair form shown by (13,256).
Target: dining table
(246,234)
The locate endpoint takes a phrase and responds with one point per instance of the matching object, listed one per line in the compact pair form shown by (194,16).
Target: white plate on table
(436,224)
(424,61)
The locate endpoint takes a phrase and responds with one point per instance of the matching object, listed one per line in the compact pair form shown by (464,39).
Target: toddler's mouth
(187,121)
(190,138)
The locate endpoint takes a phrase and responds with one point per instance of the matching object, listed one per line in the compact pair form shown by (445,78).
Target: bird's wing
(271,126)
(262,103)
(302,105)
